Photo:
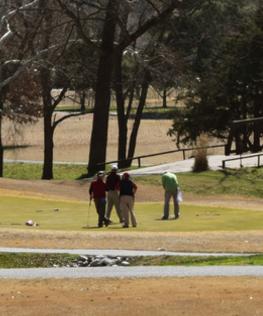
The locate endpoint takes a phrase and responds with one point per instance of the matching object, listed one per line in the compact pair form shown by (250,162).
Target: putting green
(77,216)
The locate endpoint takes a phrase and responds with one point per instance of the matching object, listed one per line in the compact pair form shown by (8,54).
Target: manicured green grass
(76,216)
(246,181)
(34,171)
(197,260)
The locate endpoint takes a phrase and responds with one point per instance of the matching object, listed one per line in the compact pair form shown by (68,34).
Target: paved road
(214,162)
(132,272)
(122,272)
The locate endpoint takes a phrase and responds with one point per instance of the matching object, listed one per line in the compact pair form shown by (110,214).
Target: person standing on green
(170,185)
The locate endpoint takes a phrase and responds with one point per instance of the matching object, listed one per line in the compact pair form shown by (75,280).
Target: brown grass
(72,139)
(169,296)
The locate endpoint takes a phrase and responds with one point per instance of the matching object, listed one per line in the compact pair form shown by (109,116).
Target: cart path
(119,252)
(131,272)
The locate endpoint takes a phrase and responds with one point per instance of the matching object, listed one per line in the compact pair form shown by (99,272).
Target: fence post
(139,162)
(223,164)
(184,154)
(258,161)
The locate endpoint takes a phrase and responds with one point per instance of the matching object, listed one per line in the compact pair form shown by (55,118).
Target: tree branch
(150,23)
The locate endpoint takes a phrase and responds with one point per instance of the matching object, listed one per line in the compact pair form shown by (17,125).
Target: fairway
(78,216)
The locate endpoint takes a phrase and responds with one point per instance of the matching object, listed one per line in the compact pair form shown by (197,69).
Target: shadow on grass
(13,147)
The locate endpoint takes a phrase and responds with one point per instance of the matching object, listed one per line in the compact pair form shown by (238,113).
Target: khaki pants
(113,200)
(126,204)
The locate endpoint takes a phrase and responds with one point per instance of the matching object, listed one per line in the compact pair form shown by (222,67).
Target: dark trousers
(100,204)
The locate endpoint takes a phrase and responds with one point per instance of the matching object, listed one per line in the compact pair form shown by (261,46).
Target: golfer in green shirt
(170,185)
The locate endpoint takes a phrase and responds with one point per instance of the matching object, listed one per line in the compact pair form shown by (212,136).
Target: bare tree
(143,15)
(17,100)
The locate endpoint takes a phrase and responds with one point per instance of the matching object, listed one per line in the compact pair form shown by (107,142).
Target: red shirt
(98,189)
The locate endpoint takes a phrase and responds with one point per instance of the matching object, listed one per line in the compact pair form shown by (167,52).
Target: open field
(72,137)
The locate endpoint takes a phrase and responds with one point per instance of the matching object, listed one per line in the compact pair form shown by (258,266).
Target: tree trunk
(47,172)
(82,98)
(238,142)
(122,119)
(1,143)
(137,120)
(98,143)
(164,98)
(229,142)
(256,129)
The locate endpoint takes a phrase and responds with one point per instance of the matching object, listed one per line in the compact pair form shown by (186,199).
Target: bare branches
(5,21)
(150,23)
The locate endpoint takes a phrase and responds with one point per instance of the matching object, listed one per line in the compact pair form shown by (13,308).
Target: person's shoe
(176,216)
(164,218)
(107,222)
(100,225)
(125,226)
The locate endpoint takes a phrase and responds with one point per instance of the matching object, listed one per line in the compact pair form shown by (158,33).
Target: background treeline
(209,52)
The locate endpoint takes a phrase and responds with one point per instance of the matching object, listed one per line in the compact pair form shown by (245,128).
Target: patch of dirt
(169,296)
(248,241)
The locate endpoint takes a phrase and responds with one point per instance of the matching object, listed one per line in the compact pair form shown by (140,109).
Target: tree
(226,80)
(17,101)
(56,69)
(109,45)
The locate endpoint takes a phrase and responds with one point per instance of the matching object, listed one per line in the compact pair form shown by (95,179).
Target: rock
(108,262)
(96,263)
(83,258)
(125,263)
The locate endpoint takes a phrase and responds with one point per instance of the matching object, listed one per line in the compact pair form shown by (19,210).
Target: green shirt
(169,182)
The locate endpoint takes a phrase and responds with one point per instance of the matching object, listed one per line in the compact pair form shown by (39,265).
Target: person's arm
(163,181)
(117,185)
(134,187)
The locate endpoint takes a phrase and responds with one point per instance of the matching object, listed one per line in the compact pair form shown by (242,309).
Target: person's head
(114,168)
(126,176)
(100,175)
